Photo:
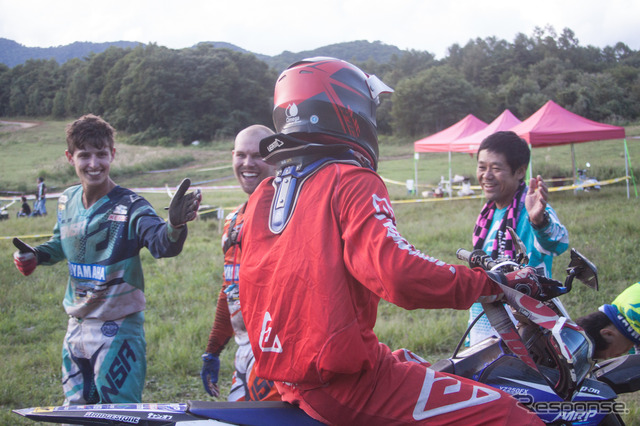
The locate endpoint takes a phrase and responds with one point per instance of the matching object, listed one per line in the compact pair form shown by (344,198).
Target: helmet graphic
(331,97)
(624,313)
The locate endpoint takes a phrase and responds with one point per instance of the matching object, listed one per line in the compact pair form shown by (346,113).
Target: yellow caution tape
(26,237)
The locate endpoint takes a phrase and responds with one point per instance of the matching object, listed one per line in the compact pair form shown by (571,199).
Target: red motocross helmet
(328,96)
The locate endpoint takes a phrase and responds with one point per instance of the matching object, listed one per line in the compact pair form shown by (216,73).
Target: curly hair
(89,129)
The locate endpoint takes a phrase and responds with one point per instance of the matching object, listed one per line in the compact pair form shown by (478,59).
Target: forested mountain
(12,53)
(353,51)
(168,96)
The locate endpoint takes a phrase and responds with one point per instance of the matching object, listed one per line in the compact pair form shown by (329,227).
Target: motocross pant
(104,361)
(245,385)
(400,389)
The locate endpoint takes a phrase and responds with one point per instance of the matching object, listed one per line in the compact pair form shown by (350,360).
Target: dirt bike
(585,182)
(543,359)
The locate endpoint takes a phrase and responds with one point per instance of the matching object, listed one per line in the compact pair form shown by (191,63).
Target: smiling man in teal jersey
(101,228)
(503,158)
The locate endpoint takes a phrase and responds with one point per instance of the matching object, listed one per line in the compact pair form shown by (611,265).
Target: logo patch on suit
(109,328)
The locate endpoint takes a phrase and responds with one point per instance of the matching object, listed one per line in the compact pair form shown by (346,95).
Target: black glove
(184,207)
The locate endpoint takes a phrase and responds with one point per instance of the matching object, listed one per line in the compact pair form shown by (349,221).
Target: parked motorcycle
(543,359)
(585,182)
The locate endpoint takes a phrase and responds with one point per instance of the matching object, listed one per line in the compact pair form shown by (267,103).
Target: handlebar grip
(477,259)
(463,254)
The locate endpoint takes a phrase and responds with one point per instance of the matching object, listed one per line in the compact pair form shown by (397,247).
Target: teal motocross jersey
(542,244)
(102,247)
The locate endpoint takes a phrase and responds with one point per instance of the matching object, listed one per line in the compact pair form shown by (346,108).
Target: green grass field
(181,292)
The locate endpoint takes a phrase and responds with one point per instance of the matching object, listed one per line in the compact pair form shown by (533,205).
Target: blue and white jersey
(101,245)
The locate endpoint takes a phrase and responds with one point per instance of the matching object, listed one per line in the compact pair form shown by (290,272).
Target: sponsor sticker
(109,329)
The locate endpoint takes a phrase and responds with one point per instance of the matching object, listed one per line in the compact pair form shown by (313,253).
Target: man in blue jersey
(101,228)
(503,158)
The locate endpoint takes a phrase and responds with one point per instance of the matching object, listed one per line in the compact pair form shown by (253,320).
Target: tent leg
(416,156)
(627,163)
(573,167)
(450,179)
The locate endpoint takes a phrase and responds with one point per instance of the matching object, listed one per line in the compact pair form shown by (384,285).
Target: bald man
(250,170)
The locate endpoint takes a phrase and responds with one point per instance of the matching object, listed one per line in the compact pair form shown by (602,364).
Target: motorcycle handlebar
(476,259)
(479,259)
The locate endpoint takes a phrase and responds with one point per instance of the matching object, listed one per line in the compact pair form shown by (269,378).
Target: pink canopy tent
(440,142)
(553,125)
(470,144)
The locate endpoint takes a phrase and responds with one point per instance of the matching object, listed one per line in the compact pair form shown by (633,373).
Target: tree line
(166,96)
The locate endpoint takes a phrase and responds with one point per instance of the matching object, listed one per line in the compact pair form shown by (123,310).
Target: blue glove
(209,373)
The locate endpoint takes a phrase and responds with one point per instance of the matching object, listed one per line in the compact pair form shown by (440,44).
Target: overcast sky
(272,26)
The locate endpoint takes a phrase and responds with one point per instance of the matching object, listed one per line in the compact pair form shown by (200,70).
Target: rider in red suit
(320,249)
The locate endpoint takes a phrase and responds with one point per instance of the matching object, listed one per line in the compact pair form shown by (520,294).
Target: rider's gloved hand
(209,373)
(25,258)
(184,207)
(528,282)
(524,280)
(551,288)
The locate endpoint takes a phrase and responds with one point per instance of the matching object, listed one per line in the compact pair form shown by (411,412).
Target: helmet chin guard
(293,174)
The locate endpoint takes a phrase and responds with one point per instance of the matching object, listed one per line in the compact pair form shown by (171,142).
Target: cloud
(272,27)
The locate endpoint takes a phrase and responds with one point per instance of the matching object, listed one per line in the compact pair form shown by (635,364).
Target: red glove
(25,262)
(25,259)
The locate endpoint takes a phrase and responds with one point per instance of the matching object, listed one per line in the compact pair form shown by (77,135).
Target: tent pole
(573,167)
(450,182)
(530,163)
(416,156)
(627,163)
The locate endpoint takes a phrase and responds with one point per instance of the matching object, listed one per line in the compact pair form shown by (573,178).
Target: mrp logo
(87,272)
(118,371)
(274,145)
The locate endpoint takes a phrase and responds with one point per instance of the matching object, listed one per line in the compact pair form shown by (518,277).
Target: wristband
(545,221)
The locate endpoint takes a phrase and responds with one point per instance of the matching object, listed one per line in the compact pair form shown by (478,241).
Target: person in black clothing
(25,210)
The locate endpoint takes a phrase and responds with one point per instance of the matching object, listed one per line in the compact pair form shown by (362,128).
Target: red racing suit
(311,307)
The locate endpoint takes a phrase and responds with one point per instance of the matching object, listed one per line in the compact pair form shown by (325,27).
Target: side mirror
(583,269)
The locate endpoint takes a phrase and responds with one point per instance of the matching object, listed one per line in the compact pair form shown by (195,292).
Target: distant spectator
(25,209)
(39,208)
